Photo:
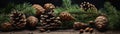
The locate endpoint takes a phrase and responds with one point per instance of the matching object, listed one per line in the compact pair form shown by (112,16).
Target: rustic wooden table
(59,32)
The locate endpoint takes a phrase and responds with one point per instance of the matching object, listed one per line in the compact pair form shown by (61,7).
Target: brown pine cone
(91,30)
(79,25)
(48,19)
(91,23)
(6,26)
(49,6)
(32,21)
(87,29)
(86,5)
(18,20)
(66,16)
(81,30)
(39,9)
(101,22)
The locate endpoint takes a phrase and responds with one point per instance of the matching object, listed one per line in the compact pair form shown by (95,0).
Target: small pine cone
(87,29)
(101,22)
(86,5)
(91,30)
(6,26)
(81,30)
(32,21)
(66,16)
(79,25)
(91,23)
(49,6)
(39,9)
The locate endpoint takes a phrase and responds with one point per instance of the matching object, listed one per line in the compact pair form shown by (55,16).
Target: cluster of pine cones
(44,15)
(82,27)
(100,23)
(18,20)
(49,21)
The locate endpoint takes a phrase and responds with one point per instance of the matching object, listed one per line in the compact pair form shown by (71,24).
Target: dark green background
(97,3)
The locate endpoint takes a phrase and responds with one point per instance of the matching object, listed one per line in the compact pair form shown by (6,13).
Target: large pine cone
(39,9)
(6,26)
(66,16)
(18,20)
(49,6)
(32,21)
(79,25)
(50,23)
(101,22)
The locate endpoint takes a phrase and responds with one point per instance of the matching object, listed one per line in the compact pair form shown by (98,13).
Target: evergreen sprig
(77,12)
(113,15)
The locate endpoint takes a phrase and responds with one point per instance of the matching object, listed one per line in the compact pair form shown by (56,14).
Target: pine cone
(18,20)
(101,22)
(49,6)
(32,21)
(91,22)
(49,24)
(49,21)
(86,5)
(81,31)
(91,30)
(79,25)
(6,26)
(87,29)
(66,16)
(39,9)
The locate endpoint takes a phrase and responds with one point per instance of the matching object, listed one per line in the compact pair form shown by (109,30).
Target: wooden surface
(59,32)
